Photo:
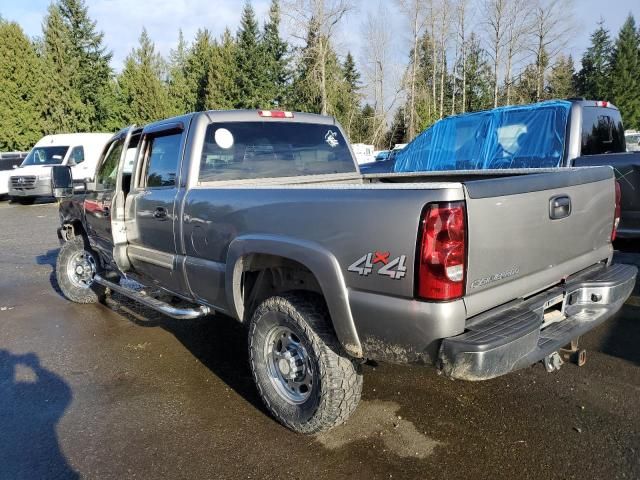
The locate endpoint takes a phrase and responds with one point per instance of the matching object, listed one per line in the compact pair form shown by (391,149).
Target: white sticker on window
(224,138)
(331,138)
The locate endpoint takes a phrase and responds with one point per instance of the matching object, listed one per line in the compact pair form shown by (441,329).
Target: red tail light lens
(616,217)
(442,252)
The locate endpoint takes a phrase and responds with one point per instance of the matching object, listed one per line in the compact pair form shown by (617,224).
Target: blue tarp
(525,136)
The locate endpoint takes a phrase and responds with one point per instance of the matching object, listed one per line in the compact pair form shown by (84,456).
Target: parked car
(385,164)
(632,139)
(559,133)
(263,216)
(381,155)
(8,161)
(80,151)
(363,153)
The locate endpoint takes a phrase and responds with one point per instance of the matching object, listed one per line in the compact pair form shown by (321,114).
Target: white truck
(80,151)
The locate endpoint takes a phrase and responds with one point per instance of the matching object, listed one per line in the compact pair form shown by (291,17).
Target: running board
(154,303)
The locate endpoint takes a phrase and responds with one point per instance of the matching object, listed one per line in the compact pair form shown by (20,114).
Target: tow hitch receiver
(571,353)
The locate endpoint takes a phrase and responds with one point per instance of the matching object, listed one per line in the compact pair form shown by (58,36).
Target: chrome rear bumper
(513,336)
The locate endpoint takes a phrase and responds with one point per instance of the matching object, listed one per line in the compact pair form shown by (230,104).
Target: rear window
(245,150)
(602,131)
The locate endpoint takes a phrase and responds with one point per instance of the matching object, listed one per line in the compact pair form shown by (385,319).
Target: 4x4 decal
(393,268)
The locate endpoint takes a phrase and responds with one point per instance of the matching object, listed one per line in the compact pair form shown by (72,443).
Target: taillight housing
(616,216)
(442,252)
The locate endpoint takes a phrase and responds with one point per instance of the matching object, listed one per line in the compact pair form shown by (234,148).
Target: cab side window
(108,171)
(77,155)
(163,159)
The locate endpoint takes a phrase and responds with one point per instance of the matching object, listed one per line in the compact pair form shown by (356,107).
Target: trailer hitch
(572,353)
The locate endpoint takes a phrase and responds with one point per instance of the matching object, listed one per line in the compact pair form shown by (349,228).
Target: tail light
(616,217)
(442,252)
(602,103)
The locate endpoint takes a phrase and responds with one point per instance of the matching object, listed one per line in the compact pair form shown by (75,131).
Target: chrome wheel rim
(81,269)
(288,365)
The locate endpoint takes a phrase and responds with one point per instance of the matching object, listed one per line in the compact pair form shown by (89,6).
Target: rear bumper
(512,337)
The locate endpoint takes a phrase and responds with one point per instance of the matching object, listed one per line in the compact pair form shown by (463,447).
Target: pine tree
(21,94)
(221,91)
(593,78)
(347,102)
(479,77)
(250,69)
(142,89)
(92,58)
(197,68)
(561,79)
(179,92)
(64,109)
(276,59)
(306,89)
(525,89)
(398,131)
(625,74)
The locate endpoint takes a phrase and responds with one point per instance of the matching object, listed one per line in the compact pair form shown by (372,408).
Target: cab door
(153,208)
(98,201)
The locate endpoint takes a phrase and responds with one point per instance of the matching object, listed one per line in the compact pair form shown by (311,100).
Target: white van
(9,161)
(78,150)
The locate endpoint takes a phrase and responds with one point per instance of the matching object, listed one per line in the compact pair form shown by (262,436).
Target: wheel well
(264,276)
(71,229)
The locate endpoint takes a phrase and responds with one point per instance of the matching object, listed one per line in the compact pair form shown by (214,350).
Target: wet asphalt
(117,391)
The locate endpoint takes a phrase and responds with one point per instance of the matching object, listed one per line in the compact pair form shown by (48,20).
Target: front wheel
(303,375)
(76,266)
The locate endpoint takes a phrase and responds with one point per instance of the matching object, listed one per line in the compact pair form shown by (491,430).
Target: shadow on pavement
(217,341)
(623,337)
(32,401)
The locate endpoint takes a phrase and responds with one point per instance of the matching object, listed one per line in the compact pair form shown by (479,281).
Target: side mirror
(15,166)
(61,181)
(71,162)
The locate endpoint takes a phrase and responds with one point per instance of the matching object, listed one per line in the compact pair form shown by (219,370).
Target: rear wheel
(23,200)
(303,375)
(76,267)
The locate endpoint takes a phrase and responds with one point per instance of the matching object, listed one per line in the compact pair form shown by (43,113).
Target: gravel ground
(118,391)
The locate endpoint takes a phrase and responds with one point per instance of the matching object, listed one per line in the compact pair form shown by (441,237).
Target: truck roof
(247,116)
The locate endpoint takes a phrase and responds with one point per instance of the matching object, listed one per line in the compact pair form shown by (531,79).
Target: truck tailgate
(529,232)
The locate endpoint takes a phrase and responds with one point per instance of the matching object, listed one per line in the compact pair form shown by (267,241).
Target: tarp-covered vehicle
(552,134)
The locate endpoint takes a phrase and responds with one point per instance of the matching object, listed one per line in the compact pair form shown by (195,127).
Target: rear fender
(314,257)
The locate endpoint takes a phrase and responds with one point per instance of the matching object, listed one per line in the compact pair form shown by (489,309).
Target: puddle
(379,420)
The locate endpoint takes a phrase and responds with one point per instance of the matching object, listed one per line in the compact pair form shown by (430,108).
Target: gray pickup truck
(263,216)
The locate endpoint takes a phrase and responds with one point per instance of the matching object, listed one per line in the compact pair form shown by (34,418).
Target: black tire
(70,287)
(23,200)
(336,380)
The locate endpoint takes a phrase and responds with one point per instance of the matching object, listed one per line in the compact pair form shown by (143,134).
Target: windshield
(45,156)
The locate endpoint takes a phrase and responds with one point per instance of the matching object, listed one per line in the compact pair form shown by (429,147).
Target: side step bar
(154,303)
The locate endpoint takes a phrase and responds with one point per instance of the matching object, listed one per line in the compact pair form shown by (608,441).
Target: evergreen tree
(364,128)
(625,74)
(21,92)
(92,59)
(64,109)
(142,89)
(398,131)
(593,78)
(347,96)
(250,68)
(306,90)
(221,89)
(275,57)
(525,88)
(179,92)
(197,68)
(561,79)
(479,77)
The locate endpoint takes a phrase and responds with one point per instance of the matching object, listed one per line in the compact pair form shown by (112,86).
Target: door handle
(160,213)
(559,207)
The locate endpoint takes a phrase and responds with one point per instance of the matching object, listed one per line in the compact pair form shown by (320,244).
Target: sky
(123,20)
